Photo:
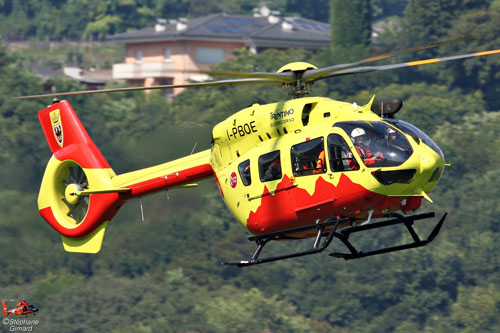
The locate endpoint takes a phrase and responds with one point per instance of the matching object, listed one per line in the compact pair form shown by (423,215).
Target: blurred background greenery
(163,274)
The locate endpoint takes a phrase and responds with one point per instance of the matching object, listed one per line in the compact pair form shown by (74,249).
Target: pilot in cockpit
(358,136)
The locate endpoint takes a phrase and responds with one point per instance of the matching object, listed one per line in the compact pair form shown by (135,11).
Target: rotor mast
(298,88)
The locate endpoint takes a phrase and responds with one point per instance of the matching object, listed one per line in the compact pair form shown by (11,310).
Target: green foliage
(428,21)
(424,103)
(101,27)
(476,309)
(474,73)
(385,8)
(252,311)
(315,10)
(162,275)
(86,19)
(472,148)
(350,41)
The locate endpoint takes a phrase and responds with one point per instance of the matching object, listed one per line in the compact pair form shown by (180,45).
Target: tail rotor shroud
(76,166)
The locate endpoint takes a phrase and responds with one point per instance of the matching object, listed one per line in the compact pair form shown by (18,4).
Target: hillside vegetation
(163,274)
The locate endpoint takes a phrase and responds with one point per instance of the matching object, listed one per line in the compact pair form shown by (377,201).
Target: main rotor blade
(287,77)
(168,86)
(367,69)
(321,73)
(314,74)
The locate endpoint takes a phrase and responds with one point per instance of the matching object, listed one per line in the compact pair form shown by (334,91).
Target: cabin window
(244,170)
(341,157)
(270,166)
(138,56)
(308,157)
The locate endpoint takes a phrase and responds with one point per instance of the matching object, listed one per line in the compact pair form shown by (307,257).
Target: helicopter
(308,168)
(23,308)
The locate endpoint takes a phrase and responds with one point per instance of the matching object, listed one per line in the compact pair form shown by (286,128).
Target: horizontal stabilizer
(106,190)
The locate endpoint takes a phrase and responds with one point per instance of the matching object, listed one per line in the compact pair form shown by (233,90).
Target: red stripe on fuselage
(293,207)
(169,180)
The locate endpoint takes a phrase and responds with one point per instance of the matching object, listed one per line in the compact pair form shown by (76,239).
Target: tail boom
(164,176)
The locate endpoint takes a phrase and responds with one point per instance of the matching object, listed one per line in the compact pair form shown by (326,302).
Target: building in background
(92,79)
(173,50)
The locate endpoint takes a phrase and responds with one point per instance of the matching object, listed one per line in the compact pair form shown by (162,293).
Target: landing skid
(343,235)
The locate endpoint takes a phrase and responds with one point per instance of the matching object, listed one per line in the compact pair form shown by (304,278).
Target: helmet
(389,132)
(357,132)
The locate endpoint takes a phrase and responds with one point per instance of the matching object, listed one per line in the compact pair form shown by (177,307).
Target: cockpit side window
(376,143)
(270,166)
(341,158)
(308,157)
(244,170)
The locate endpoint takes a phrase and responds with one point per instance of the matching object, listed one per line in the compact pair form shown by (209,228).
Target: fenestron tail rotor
(75,181)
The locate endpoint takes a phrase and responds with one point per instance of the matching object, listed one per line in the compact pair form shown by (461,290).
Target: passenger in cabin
(273,171)
(390,135)
(320,163)
(246,172)
(392,142)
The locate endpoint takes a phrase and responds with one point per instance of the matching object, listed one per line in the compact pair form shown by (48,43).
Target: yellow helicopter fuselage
(308,189)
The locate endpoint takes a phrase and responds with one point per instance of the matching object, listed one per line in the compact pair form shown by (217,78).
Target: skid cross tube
(342,235)
(262,240)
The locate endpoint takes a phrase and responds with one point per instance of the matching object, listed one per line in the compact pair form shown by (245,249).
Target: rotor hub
(71,193)
(298,66)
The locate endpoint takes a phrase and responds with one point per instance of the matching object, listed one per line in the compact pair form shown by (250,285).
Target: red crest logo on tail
(55,119)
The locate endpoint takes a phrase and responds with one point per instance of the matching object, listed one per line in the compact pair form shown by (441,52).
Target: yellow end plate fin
(90,244)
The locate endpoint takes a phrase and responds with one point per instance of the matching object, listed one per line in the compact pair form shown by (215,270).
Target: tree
(424,103)
(253,311)
(477,310)
(428,21)
(315,10)
(384,8)
(350,41)
(474,73)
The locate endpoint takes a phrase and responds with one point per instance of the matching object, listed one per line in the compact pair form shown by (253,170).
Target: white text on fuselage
(282,117)
(241,130)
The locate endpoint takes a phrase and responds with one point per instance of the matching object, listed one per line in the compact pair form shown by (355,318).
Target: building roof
(262,31)
(44,72)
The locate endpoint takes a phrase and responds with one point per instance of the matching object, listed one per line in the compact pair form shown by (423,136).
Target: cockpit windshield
(416,133)
(378,144)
